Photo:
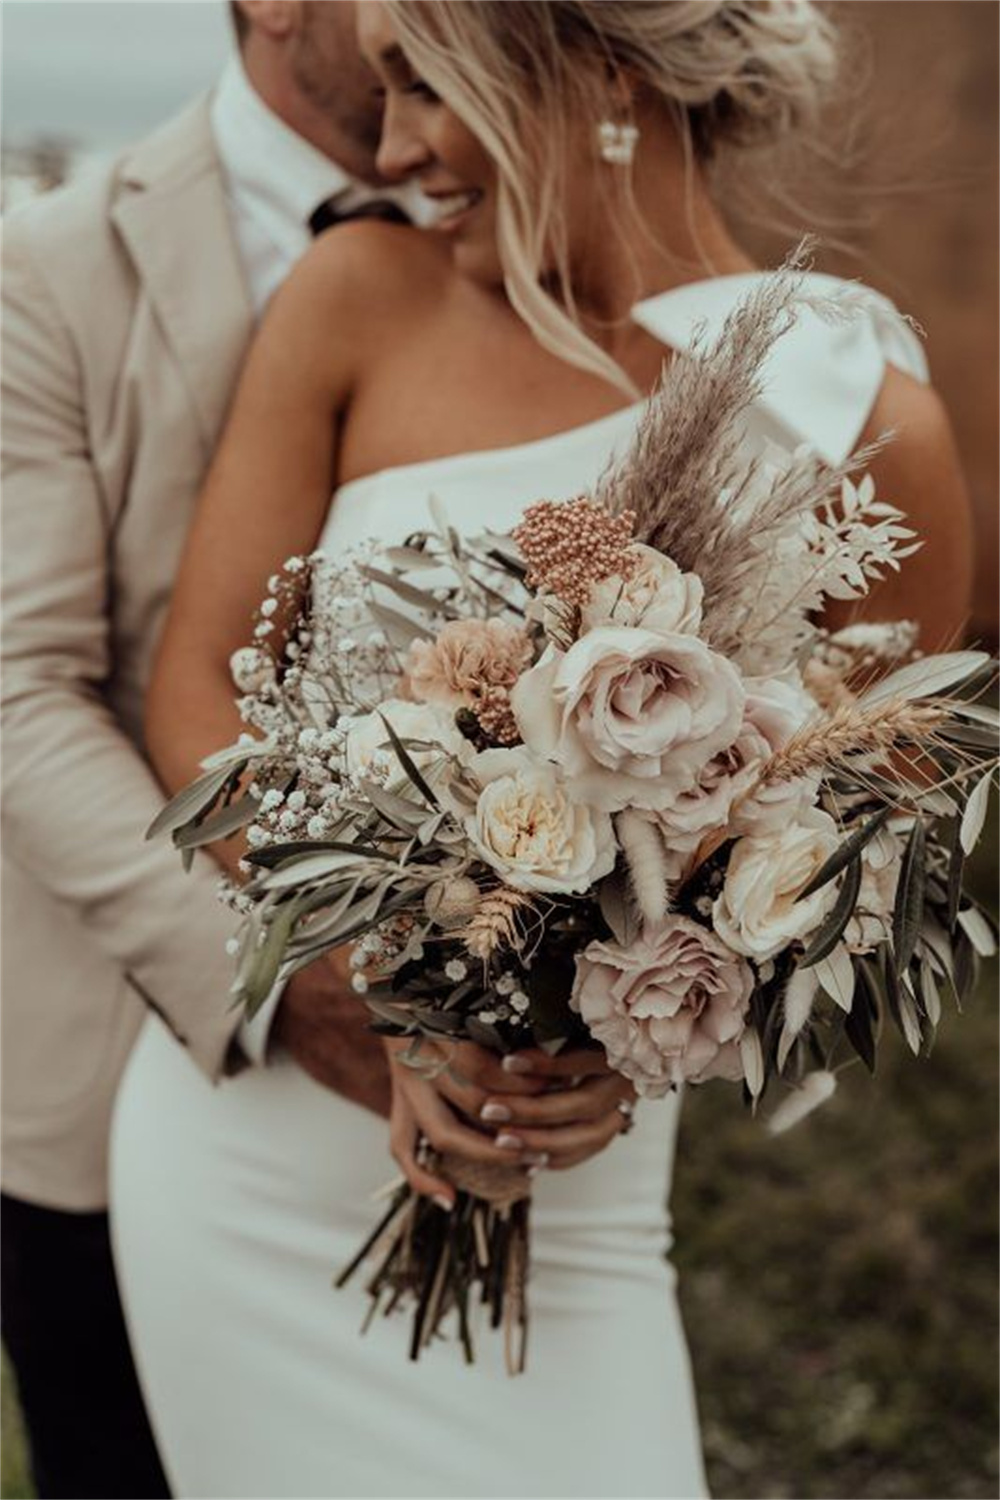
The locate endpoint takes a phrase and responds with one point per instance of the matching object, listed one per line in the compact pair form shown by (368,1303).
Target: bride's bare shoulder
(365,276)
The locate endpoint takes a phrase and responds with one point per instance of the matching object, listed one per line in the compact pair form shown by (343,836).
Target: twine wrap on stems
(500,1186)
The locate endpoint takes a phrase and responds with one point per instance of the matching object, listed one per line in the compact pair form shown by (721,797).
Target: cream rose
(758,911)
(669,1007)
(631,716)
(526,828)
(656,595)
(367,745)
(774,708)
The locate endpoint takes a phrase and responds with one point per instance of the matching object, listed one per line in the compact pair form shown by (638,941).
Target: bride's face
(424,140)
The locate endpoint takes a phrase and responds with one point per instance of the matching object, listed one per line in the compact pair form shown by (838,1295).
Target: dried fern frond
(495,924)
(852,729)
(686,451)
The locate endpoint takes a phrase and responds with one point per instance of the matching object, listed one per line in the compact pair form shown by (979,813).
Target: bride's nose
(401,150)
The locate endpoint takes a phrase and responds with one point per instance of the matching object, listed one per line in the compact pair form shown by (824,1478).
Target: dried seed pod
(451,902)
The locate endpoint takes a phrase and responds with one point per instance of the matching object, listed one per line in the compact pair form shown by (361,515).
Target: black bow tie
(328,214)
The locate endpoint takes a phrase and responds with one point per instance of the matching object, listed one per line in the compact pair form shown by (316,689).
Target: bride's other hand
(556,1128)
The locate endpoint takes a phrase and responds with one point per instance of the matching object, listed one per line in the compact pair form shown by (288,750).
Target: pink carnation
(467,658)
(669,1007)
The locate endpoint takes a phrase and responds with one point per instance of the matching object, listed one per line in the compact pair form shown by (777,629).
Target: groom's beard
(330,72)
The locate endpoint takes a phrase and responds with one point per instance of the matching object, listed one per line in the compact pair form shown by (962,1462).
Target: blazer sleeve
(77,794)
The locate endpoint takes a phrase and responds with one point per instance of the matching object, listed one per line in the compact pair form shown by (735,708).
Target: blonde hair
(732,73)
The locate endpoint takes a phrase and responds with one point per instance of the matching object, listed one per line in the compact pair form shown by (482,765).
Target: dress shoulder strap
(824,374)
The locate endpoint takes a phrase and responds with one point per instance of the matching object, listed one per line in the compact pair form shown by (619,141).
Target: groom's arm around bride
(127,311)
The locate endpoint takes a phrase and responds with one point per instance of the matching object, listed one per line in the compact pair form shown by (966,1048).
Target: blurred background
(839,1284)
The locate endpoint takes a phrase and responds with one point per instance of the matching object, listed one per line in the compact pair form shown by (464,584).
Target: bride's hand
(531,1110)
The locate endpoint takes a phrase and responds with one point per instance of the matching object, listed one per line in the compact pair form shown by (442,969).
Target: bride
(500,359)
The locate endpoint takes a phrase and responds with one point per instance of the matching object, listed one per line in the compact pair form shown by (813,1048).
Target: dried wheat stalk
(495,922)
(850,730)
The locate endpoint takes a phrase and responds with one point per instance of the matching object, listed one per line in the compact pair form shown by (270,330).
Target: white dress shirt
(276,180)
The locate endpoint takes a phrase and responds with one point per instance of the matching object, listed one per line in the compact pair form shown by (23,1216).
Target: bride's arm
(265,499)
(919,472)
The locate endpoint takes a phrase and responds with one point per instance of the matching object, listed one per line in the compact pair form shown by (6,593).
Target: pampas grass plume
(642,845)
(816,1089)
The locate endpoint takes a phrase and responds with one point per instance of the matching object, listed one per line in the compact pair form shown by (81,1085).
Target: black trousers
(63,1330)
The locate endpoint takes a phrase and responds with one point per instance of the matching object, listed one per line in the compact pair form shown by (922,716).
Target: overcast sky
(105,71)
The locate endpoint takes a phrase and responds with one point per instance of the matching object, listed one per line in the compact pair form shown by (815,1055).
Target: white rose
(758,912)
(631,716)
(368,742)
(657,596)
(526,828)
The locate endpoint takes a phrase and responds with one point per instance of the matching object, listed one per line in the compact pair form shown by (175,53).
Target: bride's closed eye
(422,90)
(417,89)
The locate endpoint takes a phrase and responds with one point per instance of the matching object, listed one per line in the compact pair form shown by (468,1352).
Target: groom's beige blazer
(125,319)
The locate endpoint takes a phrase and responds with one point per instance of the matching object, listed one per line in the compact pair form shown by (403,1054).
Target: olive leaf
(829,934)
(408,592)
(859,1021)
(218,825)
(304,868)
(928,676)
(400,629)
(909,905)
(399,811)
(836,974)
(410,559)
(407,763)
(194,800)
(978,930)
(930,994)
(267,957)
(956,867)
(845,852)
(974,816)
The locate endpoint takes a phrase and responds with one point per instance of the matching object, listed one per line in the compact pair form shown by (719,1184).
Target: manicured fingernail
(443,1202)
(514,1064)
(537,1159)
(508,1142)
(497,1112)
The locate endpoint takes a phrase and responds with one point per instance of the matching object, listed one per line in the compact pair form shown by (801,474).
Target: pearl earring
(617,143)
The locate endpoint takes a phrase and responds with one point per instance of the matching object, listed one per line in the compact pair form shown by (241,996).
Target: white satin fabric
(233,1205)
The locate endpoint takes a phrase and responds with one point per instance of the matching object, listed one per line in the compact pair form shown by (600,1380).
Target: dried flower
(570,545)
(496,716)
(451,902)
(467,658)
(495,924)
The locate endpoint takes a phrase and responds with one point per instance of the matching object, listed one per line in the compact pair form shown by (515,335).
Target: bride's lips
(452,209)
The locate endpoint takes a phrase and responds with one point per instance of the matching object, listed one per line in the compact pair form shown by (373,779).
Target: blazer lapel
(172,214)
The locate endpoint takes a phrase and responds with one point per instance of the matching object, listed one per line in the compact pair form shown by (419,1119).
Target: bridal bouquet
(604,780)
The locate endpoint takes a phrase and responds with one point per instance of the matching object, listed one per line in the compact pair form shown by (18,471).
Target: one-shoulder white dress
(232,1205)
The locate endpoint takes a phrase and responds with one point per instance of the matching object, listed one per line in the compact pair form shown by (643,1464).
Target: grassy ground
(839,1284)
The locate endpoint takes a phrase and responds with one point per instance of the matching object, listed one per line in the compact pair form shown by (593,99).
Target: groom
(128,302)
